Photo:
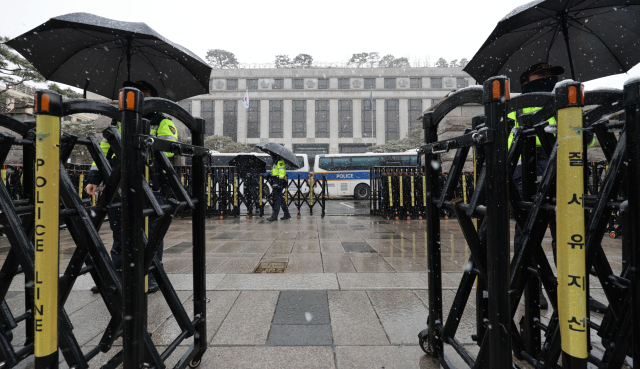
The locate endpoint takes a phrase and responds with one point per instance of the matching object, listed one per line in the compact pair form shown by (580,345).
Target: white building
(322,110)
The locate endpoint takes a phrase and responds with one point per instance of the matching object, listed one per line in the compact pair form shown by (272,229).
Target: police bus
(348,174)
(222,159)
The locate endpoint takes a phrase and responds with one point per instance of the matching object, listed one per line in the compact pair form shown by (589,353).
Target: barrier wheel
(194,363)
(362,192)
(422,340)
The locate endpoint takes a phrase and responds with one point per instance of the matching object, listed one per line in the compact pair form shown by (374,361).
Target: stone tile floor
(331,308)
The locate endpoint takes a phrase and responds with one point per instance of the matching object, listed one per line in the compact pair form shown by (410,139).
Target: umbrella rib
(156,69)
(602,42)
(117,73)
(556,33)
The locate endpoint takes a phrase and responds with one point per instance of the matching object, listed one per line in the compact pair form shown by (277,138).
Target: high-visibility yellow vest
(279,169)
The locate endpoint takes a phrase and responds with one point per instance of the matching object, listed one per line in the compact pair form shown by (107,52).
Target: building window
(252,84)
(345,118)
(415,83)
(389,83)
(369,83)
(278,84)
(253,119)
(207,109)
(392,119)
(298,83)
(322,118)
(275,119)
(323,83)
(343,83)
(368,118)
(186,105)
(462,82)
(363,162)
(230,119)
(436,82)
(232,84)
(415,111)
(299,119)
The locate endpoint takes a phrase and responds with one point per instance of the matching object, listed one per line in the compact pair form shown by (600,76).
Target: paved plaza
(353,295)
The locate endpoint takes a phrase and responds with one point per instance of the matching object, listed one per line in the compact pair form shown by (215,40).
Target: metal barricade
(49,183)
(582,195)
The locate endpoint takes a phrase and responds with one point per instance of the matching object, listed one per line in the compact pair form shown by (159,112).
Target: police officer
(163,128)
(542,77)
(279,174)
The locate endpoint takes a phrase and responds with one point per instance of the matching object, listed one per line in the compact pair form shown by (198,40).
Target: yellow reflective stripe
(572,294)
(168,138)
(47,241)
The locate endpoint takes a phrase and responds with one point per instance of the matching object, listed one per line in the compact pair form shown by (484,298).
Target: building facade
(322,110)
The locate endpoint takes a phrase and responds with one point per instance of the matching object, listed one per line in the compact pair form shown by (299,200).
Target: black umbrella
(279,150)
(591,38)
(100,54)
(248,163)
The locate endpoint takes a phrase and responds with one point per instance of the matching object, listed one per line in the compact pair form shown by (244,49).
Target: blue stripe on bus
(346,175)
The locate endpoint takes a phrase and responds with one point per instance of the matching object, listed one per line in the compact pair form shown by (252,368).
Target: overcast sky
(328,30)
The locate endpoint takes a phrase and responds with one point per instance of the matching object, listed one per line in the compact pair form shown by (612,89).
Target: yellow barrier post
(48,109)
(390,192)
(572,293)
(413,198)
(424,192)
(209,190)
(80,184)
(3,175)
(311,190)
(464,188)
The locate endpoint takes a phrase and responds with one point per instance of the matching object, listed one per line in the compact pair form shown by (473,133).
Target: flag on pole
(371,100)
(245,101)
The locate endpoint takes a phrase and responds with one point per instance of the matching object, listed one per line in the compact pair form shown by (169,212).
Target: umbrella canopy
(590,38)
(279,150)
(100,54)
(248,164)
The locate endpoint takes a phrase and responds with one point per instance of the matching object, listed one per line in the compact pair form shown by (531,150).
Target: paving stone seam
(373,306)
(223,319)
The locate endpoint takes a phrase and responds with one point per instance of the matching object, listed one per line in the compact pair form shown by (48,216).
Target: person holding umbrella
(279,175)
(542,77)
(162,127)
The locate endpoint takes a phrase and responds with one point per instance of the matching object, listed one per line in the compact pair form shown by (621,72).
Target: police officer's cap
(540,67)
(143,86)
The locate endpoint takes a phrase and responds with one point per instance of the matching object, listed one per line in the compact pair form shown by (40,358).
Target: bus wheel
(362,192)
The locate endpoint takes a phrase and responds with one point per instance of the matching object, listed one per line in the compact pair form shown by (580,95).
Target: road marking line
(349,206)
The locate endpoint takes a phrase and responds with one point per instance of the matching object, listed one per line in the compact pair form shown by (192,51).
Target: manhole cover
(271,267)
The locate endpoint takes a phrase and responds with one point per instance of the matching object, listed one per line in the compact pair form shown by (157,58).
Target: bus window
(391,160)
(268,160)
(300,160)
(325,163)
(220,161)
(414,160)
(406,160)
(364,162)
(341,163)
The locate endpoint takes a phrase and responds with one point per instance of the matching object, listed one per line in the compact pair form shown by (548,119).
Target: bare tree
(302,61)
(221,59)
(283,61)
(454,63)
(464,62)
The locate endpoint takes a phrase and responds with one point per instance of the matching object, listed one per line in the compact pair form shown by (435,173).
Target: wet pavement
(354,293)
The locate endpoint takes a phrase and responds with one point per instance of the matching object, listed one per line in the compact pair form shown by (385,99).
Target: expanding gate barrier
(227,191)
(399,192)
(561,195)
(50,197)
